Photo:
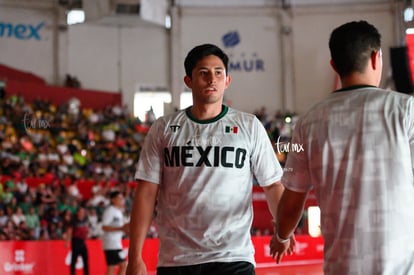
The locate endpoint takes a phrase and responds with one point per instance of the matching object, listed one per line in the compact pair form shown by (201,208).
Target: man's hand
(279,249)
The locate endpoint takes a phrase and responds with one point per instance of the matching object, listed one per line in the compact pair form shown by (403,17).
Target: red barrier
(60,95)
(51,257)
(9,73)
(262,216)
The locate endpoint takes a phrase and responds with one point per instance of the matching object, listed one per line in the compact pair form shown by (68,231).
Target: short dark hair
(114,194)
(351,46)
(201,51)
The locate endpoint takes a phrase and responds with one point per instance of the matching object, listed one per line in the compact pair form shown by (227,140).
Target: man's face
(118,201)
(209,80)
(81,213)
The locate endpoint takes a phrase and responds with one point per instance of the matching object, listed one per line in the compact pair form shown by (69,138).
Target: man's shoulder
(402,100)
(165,121)
(171,117)
(110,208)
(238,113)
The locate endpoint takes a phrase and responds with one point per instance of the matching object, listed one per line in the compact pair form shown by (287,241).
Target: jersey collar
(354,87)
(224,111)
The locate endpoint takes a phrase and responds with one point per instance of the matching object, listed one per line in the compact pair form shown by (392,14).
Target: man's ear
(228,81)
(333,65)
(187,81)
(375,58)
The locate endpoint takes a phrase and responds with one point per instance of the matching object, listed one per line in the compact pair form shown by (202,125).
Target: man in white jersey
(359,158)
(199,165)
(114,228)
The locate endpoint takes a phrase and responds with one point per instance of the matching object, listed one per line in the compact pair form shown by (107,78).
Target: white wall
(145,60)
(33,48)
(93,56)
(112,58)
(258,80)
(311,28)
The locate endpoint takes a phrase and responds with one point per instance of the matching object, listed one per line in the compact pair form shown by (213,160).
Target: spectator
(18,216)
(26,204)
(23,232)
(44,195)
(73,191)
(21,188)
(33,222)
(6,195)
(3,217)
(54,233)
(33,235)
(52,216)
(13,203)
(74,206)
(9,212)
(64,204)
(60,230)
(94,224)
(114,228)
(41,210)
(44,234)
(96,188)
(9,230)
(77,234)
(98,197)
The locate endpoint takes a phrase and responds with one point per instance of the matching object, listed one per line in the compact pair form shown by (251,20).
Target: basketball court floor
(309,269)
(312,269)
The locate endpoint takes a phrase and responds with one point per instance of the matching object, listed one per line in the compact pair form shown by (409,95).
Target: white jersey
(359,158)
(112,216)
(205,170)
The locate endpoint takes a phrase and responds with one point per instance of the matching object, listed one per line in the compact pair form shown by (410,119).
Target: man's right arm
(141,218)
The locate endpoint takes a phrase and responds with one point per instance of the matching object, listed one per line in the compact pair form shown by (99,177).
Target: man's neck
(206,112)
(357,79)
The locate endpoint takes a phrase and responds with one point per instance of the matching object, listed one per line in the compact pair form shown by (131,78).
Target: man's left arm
(110,228)
(289,212)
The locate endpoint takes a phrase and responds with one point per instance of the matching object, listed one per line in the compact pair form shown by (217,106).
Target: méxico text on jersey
(210,156)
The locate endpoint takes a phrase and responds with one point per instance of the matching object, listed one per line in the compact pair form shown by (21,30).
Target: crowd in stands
(46,151)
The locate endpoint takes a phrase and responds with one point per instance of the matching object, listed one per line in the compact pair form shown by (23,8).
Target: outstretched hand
(278,249)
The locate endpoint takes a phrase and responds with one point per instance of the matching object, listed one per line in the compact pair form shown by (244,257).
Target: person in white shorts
(114,229)
(359,159)
(198,164)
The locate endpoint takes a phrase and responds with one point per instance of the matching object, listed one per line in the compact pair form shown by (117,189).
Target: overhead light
(75,17)
(168,21)
(314,221)
(408,14)
(288,119)
(409,31)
